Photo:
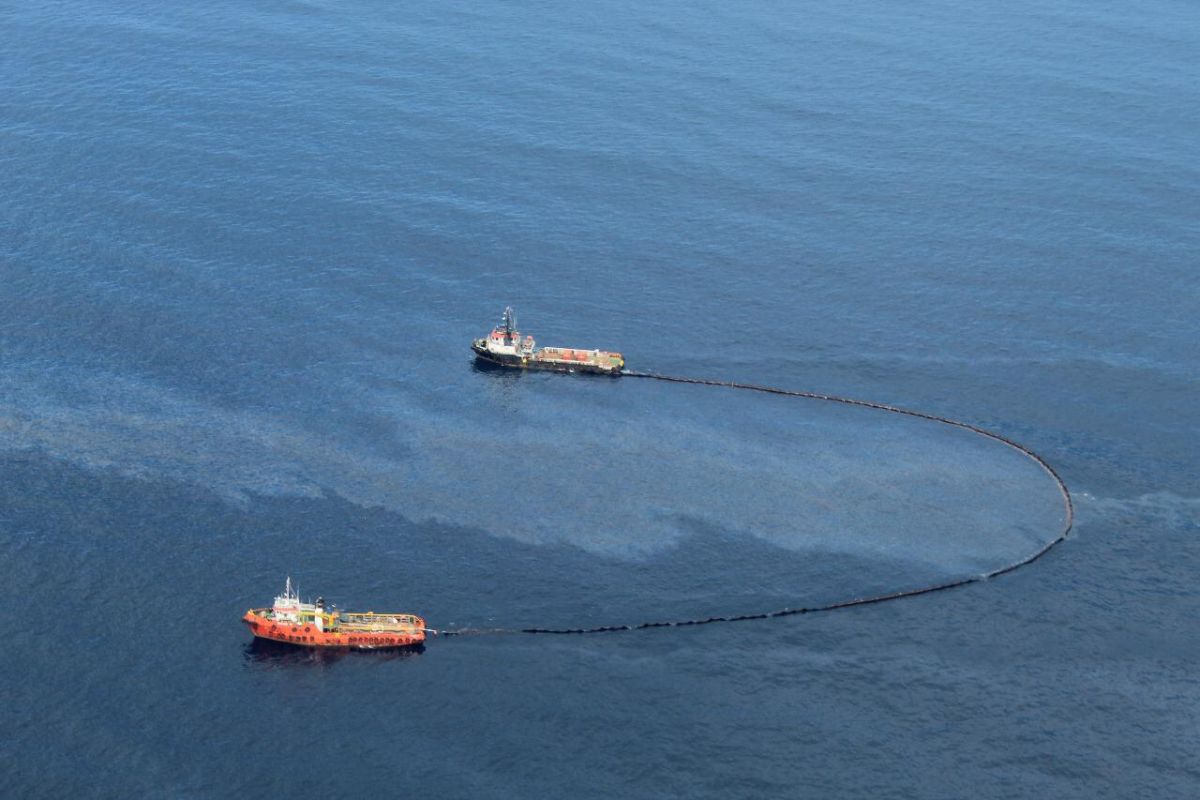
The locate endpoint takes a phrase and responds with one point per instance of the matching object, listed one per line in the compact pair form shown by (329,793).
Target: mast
(510,324)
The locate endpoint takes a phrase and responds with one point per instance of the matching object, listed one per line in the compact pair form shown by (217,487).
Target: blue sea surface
(243,251)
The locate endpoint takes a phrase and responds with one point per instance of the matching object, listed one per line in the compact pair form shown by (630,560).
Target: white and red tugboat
(505,347)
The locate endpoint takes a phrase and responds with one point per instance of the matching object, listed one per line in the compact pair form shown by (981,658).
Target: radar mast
(510,324)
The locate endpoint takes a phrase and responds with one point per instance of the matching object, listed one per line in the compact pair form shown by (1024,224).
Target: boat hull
(307,635)
(534,364)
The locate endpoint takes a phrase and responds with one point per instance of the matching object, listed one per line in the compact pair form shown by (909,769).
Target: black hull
(484,358)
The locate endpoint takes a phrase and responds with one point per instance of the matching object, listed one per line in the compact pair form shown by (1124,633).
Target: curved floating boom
(862,600)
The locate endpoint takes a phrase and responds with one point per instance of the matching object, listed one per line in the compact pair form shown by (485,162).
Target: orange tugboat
(316,625)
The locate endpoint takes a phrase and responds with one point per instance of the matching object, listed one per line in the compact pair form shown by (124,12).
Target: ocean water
(243,250)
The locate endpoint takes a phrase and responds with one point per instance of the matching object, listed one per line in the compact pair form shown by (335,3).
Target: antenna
(510,323)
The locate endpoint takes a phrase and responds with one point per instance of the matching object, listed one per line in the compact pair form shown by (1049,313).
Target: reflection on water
(490,368)
(502,384)
(264,652)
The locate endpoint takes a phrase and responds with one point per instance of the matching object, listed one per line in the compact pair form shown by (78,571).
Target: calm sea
(244,248)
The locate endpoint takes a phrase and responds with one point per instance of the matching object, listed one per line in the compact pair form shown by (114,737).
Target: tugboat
(505,347)
(318,625)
